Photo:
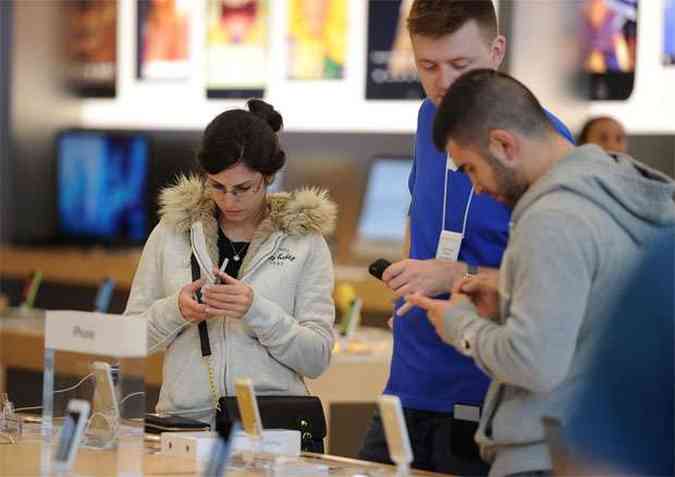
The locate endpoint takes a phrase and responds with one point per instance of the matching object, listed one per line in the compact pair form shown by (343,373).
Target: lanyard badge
(450,242)
(448,245)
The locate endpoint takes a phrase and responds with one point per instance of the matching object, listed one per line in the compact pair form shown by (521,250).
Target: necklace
(236,252)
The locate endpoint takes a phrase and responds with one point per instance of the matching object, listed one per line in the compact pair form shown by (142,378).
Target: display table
(23,459)
(357,374)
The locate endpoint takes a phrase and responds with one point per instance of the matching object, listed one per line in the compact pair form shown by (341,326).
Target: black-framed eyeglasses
(239,192)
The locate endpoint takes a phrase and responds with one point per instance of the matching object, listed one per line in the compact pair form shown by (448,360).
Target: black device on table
(158,423)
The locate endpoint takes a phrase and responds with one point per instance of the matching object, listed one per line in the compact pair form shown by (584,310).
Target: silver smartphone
(395,430)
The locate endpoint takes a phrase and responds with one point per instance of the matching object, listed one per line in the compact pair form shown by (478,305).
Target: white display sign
(96,333)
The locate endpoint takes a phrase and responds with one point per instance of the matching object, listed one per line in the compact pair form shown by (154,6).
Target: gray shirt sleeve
(546,284)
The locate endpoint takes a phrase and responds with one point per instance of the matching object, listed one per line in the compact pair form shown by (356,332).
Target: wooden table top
(24,459)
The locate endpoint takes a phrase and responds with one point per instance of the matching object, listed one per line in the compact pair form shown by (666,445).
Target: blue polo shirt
(426,373)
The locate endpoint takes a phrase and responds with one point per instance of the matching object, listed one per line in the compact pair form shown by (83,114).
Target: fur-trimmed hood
(296,213)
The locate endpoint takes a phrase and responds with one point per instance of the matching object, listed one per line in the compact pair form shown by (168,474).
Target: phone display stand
(250,418)
(99,359)
(396,432)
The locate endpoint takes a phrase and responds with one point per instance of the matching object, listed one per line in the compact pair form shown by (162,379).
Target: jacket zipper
(257,264)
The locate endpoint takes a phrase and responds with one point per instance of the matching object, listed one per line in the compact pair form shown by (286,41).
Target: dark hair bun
(267,112)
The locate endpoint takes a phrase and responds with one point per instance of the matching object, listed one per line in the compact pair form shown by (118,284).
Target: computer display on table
(381,227)
(102,187)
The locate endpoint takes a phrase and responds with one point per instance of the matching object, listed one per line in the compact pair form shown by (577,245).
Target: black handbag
(298,413)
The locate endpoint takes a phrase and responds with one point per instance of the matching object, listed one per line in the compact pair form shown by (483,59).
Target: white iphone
(396,431)
(77,414)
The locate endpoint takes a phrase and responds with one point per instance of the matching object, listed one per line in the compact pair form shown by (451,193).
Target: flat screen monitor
(103,187)
(381,228)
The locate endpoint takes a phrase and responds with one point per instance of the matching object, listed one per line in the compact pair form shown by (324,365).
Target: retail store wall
(326,105)
(39,108)
(544,51)
(5,167)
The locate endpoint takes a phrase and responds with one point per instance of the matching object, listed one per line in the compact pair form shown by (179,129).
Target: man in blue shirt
(452,231)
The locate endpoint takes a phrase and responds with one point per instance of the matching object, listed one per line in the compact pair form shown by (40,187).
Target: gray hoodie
(574,236)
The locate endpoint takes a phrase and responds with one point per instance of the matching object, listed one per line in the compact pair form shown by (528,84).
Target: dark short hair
(485,99)
(247,137)
(436,18)
(586,129)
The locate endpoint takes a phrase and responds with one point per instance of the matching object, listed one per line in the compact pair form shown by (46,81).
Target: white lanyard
(445,203)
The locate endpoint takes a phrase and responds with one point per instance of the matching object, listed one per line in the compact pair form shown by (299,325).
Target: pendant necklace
(236,252)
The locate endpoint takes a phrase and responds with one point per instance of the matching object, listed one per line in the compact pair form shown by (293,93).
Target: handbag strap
(204,340)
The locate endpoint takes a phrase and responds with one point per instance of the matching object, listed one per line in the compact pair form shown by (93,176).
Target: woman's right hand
(190,309)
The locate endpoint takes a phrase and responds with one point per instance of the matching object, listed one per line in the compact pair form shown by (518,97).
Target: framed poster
(317,39)
(608,39)
(390,69)
(163,36)
(236,48)
(91,47)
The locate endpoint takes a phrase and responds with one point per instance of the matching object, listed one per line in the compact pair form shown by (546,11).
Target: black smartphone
(378,267)
(158,423)
(608,33)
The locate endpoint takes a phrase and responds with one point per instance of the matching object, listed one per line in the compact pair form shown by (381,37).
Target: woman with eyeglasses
(269,314)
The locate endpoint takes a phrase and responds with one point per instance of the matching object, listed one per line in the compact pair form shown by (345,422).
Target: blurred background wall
(39,107)
(5,184)
(331,130)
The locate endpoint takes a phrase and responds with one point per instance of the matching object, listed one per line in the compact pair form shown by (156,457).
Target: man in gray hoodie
(581,220)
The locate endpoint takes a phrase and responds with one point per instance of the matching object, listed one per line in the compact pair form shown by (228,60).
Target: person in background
(621,421)
(271,318)
(450,227)
(606,132)
(581,220)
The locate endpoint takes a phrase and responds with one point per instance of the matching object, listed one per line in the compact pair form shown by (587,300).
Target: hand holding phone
(378,267)
(231,297)
(189,302)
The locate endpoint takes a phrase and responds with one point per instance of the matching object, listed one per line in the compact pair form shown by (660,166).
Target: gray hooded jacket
(287,332)
(575,235)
